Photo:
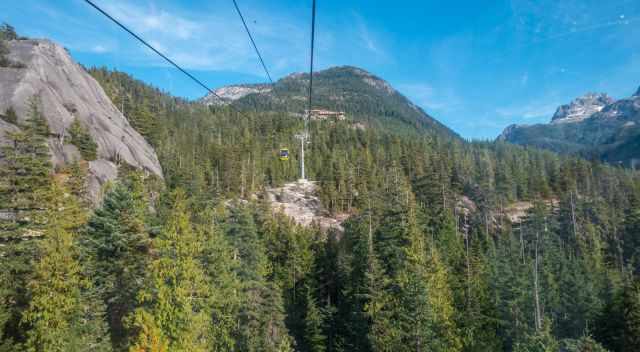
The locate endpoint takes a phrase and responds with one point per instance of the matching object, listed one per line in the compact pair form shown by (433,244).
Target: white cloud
(367,39)
(430,98)
(194,38)
(528,111)
(100,49)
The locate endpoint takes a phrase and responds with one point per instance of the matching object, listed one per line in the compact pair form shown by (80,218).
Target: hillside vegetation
(428,260)
(594,126)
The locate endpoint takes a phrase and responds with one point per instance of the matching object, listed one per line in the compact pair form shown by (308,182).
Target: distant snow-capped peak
(581,108)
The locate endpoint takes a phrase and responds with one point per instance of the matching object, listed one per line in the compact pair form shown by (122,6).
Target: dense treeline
(428,260)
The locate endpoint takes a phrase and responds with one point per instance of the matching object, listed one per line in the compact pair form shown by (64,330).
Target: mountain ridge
(593,126)
(365,97)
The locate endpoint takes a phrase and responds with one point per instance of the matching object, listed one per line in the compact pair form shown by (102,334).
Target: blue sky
(477,66)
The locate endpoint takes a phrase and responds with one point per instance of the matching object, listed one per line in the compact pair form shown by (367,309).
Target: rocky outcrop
(581,108)
(298,201)
(229,94)
(65,92)
(508,131)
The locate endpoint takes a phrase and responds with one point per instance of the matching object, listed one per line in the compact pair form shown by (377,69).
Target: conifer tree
(25,178)
(25,197)
(60,316)
(583,344)
(631,316)
(261,315)
(117,241)
(538,341)
(224,286)
(314,337)
(64,314)
(81,138)
(175,298)
(10,114)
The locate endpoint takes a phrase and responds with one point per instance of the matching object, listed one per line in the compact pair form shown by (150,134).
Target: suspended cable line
(313,37)
(156,51)
(305,135)
(255,47)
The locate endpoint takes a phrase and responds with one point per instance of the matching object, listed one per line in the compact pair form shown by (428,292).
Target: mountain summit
(581,108)
(361,95)
(594,125)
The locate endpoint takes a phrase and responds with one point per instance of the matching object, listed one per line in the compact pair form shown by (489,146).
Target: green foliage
(117,241)
(314,337)
(583,344)
(7,32)
(4,51)
(25,200)
(432,256)
(224,285)
(61,316)
(176,294)
(81,138)
(539,341)
(631,316)
(25,176)
(261,314)
(10,115)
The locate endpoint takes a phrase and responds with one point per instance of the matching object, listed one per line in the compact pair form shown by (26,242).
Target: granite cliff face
(65,92)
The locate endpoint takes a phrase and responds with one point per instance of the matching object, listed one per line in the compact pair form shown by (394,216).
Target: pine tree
(428,317)
(10,114)
(25,197)
(117,241)
(25,178)
(150,338)
(63,313)
(631,316)
(175,298)
(538,341)
(314,337)
(224,286)
(4,51)
(261,316)
(583,344)
(81,138)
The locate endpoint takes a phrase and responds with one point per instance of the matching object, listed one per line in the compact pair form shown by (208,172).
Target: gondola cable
(305,135)
(255,47)
(283,154)
(313,35)
(157,52)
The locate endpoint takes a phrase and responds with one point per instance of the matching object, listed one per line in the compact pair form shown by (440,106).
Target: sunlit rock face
(581,108)
(65,92)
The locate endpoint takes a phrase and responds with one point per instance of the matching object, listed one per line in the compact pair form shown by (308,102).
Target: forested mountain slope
(429,260)
(593,126)
(363,96)
(412,229)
